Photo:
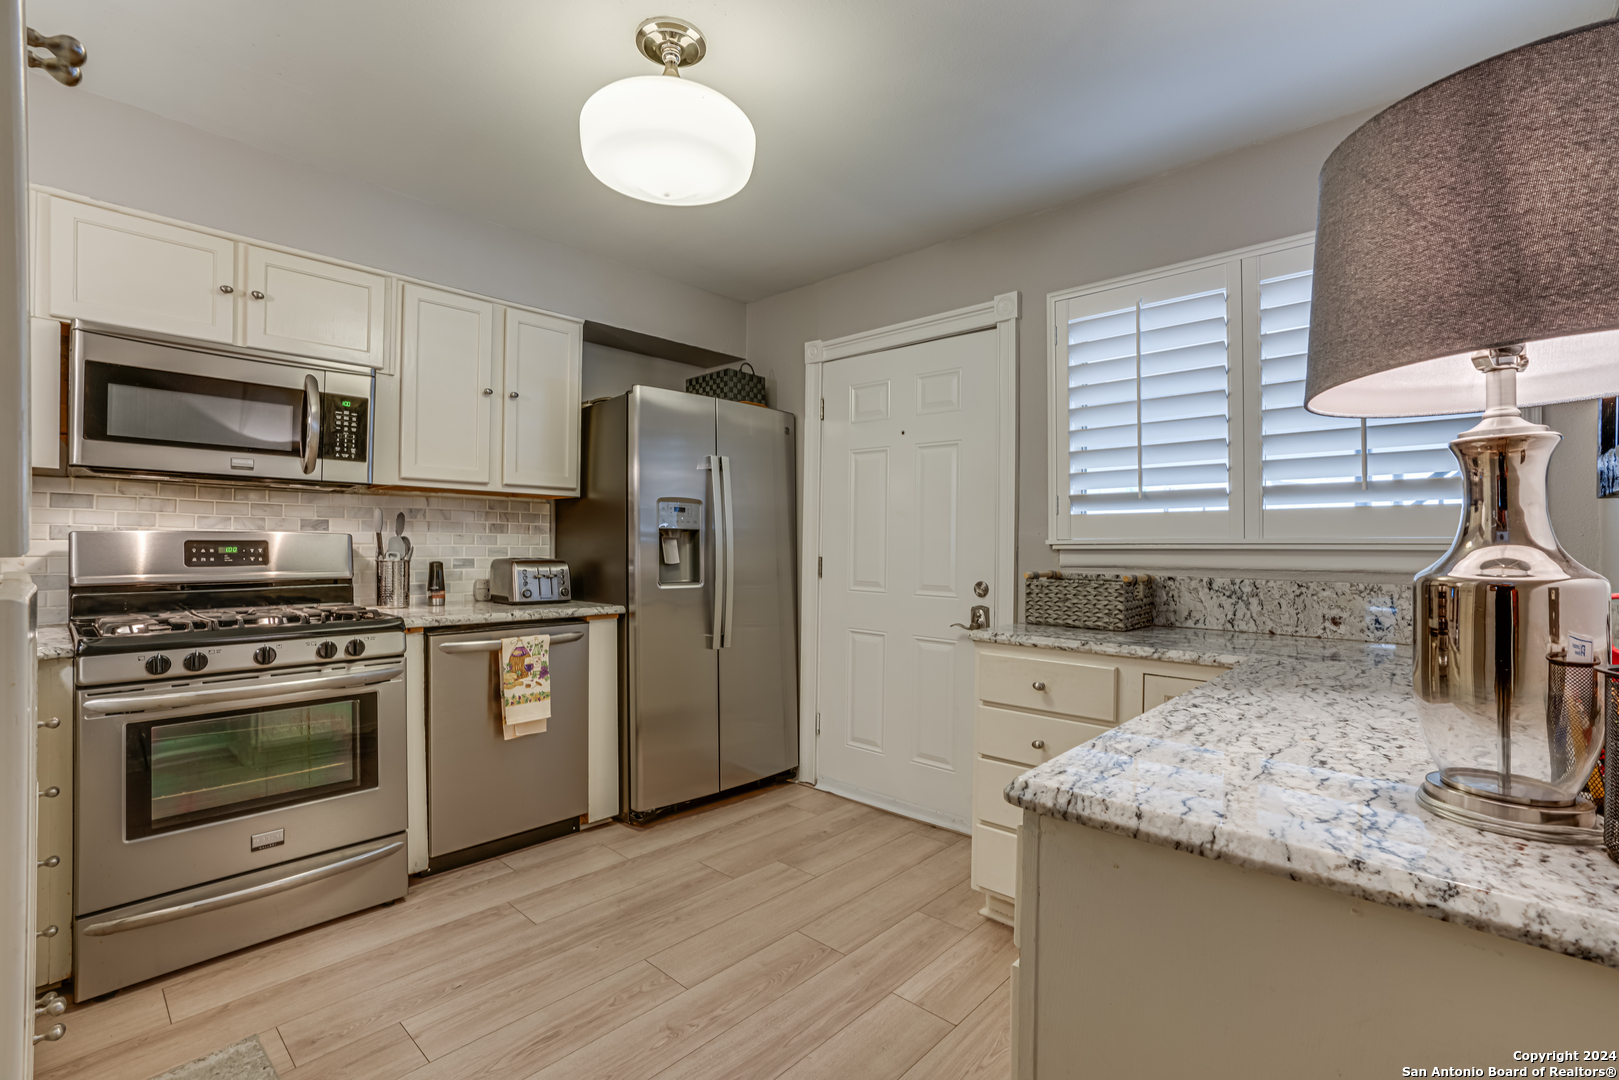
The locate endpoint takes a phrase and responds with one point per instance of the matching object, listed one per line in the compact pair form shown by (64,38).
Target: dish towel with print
(525,684)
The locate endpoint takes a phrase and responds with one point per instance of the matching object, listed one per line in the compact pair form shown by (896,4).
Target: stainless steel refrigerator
(686,517)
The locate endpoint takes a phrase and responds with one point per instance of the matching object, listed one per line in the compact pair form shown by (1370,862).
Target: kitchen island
(1240,883)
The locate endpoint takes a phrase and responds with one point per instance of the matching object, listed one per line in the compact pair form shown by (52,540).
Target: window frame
(1373,539)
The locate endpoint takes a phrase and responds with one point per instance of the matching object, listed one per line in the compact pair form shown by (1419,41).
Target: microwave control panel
(343,427)
(227,552)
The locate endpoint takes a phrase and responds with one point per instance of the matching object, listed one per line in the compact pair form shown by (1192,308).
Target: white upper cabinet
(314,308)
(145,275)
(446,387)
(541,403)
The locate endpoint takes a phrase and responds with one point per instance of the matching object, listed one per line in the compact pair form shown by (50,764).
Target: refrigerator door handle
(729,567)
(722,555)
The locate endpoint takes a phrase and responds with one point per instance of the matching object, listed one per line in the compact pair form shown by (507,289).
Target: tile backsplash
(1346,610)
(464,532)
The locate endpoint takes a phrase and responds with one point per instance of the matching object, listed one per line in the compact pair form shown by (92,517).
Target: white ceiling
(883,125)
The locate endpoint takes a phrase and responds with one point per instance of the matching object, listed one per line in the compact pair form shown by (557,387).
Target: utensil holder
(393,582)
(1609,678)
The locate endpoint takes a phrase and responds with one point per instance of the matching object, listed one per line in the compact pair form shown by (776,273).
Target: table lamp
(1467,259)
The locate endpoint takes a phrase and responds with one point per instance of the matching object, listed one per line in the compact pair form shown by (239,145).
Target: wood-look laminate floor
(788,933)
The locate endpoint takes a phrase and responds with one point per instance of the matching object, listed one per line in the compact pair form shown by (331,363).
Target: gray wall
(609,372)
(106,150)
(1249,196)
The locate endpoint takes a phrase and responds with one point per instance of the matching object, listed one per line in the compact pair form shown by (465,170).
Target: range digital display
(235,553)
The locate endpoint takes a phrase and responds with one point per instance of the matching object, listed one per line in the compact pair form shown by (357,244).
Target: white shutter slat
(1148,405)
(1322,462)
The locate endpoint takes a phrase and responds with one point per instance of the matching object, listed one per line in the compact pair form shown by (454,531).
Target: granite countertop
(473,612)
(1306,764)
(53,642)
(1174,644)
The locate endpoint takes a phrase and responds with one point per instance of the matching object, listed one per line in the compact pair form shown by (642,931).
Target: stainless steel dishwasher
(487,795)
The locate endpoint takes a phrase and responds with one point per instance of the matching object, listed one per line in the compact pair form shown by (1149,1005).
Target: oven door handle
(101,706)
(493,644)
(311,454)
(241,896)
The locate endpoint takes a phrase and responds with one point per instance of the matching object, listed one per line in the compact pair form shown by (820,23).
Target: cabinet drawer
(1087,690)
(1157,689)
(995,860)
(989,781)
(1010,735)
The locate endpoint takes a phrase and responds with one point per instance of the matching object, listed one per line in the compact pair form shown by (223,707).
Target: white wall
(110,151)
(1249,196)
(609,372)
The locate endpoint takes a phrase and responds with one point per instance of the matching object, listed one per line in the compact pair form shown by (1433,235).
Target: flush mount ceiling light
(664,139)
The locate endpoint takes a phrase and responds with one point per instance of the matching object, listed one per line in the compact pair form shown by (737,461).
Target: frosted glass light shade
(666,140)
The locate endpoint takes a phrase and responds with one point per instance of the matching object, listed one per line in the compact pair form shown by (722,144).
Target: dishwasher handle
(493,644)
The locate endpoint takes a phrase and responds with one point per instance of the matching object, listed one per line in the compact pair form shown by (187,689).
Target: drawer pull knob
(1040,686)
(1039,744)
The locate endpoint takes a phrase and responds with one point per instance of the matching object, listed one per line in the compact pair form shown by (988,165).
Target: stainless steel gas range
(241,763)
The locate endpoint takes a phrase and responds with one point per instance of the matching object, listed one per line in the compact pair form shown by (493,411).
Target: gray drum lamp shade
(1481,211)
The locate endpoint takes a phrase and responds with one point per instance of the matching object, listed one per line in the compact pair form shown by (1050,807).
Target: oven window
(195,770)
(141,405)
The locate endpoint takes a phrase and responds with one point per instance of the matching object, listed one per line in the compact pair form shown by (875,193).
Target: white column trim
(1000,314)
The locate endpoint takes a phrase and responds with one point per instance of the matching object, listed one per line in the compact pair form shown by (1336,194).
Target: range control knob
(264,655)
(157,665)
(354,648)
(528,594)
(195,662)
(326,650)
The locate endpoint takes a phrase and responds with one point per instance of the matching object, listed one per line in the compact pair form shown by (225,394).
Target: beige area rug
(245,1060)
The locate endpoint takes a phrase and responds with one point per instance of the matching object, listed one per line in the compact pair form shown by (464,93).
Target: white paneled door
(909,504)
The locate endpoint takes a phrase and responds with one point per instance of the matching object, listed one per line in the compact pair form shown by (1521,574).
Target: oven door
(179,785)
(148,406)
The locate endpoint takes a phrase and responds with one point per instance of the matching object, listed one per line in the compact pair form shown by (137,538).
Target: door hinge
(817,723)
(820,566)
(823,408)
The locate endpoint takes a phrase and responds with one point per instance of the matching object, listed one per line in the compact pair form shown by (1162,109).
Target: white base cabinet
(1034,704)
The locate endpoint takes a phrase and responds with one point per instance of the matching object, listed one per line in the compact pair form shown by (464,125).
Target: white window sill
(1401,558)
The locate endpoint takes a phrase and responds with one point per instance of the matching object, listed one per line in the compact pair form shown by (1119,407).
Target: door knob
(50,793)
(1040,686)
(487,391)
(978,618)
(53,722)
(1039,744)
(226,289)
(255,294)
(981,588)
(512,394)
(50,864)
(48,932)
(56,1031)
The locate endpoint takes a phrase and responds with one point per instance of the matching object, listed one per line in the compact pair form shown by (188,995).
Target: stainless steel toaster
(529,581)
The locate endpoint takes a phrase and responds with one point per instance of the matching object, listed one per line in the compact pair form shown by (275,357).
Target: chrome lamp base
(1557,823)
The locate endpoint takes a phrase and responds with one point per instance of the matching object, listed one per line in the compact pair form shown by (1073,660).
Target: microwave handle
(311,454)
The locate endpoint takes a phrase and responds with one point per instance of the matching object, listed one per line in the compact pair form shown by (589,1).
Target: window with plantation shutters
(1178,417)
(1149,403)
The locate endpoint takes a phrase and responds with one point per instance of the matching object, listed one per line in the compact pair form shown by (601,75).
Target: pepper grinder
(435,584)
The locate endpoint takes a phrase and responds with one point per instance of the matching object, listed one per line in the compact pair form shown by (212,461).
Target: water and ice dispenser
(680,541)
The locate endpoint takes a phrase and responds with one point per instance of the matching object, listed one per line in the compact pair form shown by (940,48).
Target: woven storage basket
(732,384)
(1089,601)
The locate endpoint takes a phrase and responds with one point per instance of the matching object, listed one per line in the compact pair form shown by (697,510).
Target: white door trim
(1001,314)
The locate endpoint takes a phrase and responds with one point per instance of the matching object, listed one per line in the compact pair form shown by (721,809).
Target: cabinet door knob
(512,394)
(51,863)
(227,289)
(1039,744)
(255,294)
(53,722)
(487,391)
(50,793)
(55,1032)
(48,932)
(1040,686)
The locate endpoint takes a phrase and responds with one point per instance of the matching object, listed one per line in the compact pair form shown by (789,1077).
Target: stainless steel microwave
(146,404)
